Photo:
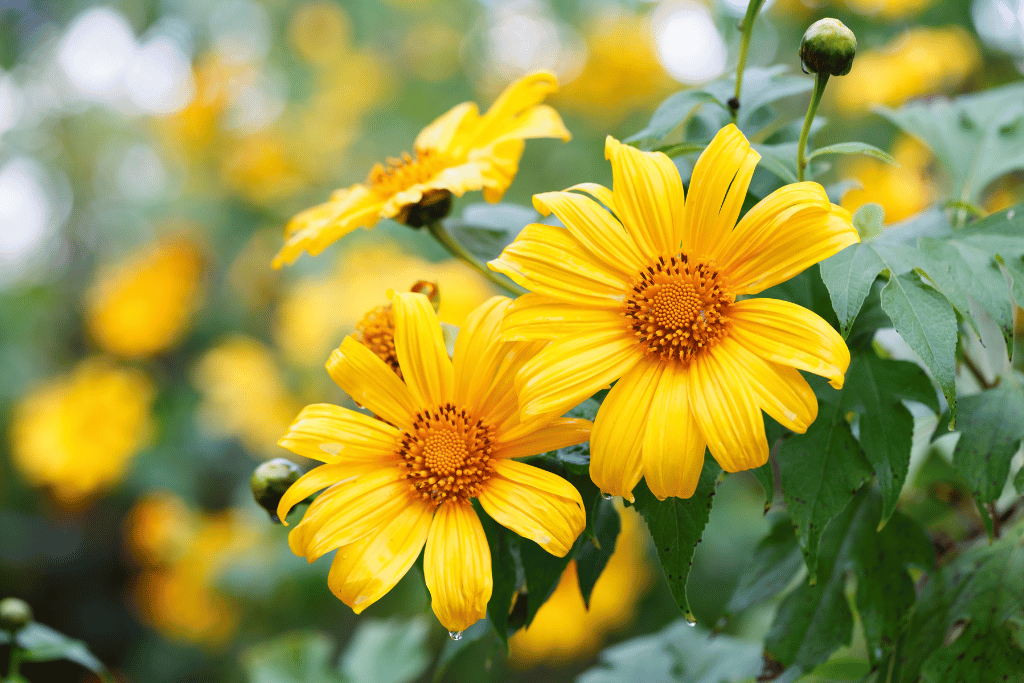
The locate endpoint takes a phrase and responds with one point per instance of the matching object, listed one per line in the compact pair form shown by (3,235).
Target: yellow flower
(144,305)
(459,152)
(564,629)
(446,434)
(77,434)
(902,190)
(651,301)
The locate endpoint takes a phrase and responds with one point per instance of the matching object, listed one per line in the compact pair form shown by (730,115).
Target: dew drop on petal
(455,635)
(607,496)
(690,619)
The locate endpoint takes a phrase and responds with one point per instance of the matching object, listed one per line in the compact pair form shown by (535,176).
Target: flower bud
(270,481)
(828,47)
(15,614)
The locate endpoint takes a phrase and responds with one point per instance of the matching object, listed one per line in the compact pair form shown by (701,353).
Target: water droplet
(1010,214)
(455,635)
(690,619)
(607,496)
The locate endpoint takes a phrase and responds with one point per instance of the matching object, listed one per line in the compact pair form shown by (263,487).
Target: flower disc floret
(448,454)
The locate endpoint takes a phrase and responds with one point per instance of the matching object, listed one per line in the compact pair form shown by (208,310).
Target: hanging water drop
(691,620)
(455,635)
(607,496)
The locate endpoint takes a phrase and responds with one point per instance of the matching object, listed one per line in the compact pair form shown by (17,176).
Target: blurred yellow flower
(888,9)
(902,190)
(564,630)
(459,152)
(143,305)
(320,32)
(243,395)
(261,168)
(316,312)
(922,61)
(622,73)
(77,434)
(176,592)
(443,436)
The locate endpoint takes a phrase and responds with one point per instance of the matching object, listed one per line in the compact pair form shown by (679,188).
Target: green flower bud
(828,47)
(15,614)
(270,481)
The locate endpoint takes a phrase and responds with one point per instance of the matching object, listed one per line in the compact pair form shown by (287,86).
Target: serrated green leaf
(926,321)
(680,654)
(815,620)
(977,137)
(595,550)
(43,644)
(293,658)
(848,276)
(853,148)
(676,525)
(391,651)
(775,562)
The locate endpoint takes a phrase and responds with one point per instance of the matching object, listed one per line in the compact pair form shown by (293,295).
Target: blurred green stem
(746,29)
(460,252)
(820,80)
(14,665)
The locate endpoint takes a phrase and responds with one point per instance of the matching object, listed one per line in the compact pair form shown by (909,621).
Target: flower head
(646,294)
(444,435)
(459,152)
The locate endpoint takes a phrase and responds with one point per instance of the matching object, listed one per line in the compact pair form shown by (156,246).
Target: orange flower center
(676,307)
(401,174)
(376,331)
(448,455)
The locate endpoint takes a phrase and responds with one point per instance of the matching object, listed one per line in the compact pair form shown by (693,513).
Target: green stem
(14,666)
(746,30)
(820,80)
(460,252)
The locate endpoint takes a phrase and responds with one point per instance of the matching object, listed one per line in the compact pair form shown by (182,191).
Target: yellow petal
(618,434)
(594,228)
(350,510)
(498,166)
(314,229)
(318,478)
(673,450)
(511,105)
(648,196)
(598,192)
(547,260)
(727,411)
(541,121)
(569,371)
(781,391)
(790,335)
(371,383)
(457,566)
(718,187)
(531,438)
(332,434)
(364,571)
(421,352)
(501,402)
(538,317)
(440,133)
(785,233)
(535,504)
(479,350)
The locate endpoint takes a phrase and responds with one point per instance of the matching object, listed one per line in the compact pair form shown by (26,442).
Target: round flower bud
(828,47)
(15,614)
(270,481)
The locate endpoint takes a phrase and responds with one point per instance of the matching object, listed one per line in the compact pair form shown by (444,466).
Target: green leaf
(391,651)
(454,649)
(43,644)
(505,572)
(486,229)
(967,617)
(775,562)
(674,112)
(848,276)
(815,620)
(543,572)
(853,148)
(869,219)
(926,321)
(676,525)
(991,429)
(680,654)
(1018,481)
(681,148)
(977,137)
(766,477)
(779,159)
(595,550)
(294,658)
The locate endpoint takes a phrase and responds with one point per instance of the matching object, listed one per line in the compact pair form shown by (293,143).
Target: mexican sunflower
(459,152)
(647,290)
(445,434)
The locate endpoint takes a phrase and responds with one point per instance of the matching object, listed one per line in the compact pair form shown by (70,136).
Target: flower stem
(746,30)
(820,80)
(14,665)
(460,252)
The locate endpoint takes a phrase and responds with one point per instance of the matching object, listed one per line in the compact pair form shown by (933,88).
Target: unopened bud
(270,481)
(429,290)
(828,47)
(15,614)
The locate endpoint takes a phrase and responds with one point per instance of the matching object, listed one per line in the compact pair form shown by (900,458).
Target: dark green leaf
(680,654)
(43,644)
(294,658)
(925,319)
(766,477)
(1018,481)
(453,649)
(676,525)
(848,276)
(775,562)
(390,651)
(853,148)
(543,572)
(505,571)
(594,551)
